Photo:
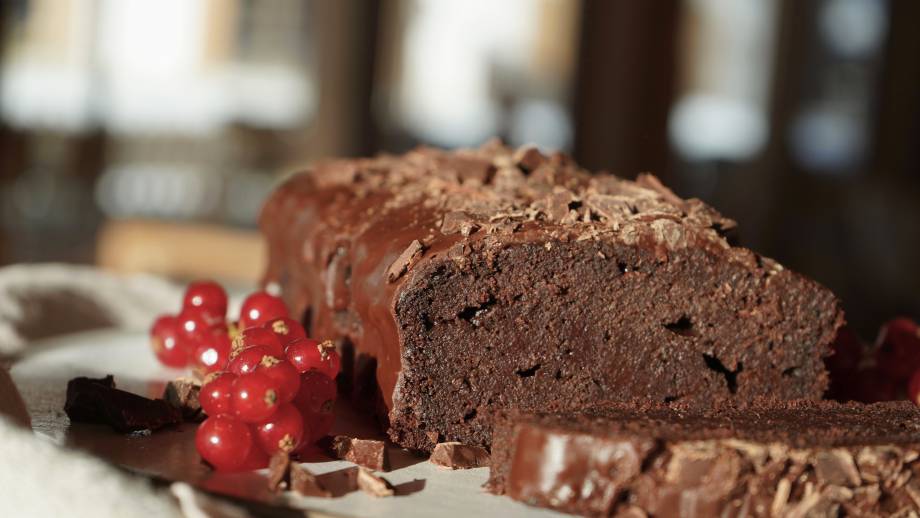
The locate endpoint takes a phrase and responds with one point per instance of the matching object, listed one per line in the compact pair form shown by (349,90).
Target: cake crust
(459,282)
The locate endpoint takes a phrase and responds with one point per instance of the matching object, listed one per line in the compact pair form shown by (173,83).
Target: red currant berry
(287,330)
(847,350)
(307,354)
(898,349)
(207,295)
(259,308)
(283,374)
(195,322)
(213,352)
(317,393)
(167,342)
(254,336)
(216,396)
(255,397)
(282,432)
(319,425)
(224,442)
(257,458)
(247,360)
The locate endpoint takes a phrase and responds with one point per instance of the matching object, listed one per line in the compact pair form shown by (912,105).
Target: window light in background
(831,131)
(141,67)
(478,68)
(721,109)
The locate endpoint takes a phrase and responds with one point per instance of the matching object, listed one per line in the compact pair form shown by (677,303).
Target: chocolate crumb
(279,472)
(404,262)
(374,485)
(306,483)
(97,401)
(368,453)
(454,455)
(182,393)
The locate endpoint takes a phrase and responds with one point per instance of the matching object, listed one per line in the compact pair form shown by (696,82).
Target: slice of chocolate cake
(793,459)
(462,281)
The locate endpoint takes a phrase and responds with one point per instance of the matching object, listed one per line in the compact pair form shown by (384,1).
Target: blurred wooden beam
(181,250)
(346,41)
(898,126)
(625,85)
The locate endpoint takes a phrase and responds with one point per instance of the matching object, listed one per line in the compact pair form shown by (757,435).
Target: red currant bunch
(885,371)
(267,386)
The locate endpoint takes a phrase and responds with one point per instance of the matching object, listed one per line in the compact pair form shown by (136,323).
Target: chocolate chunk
(470,168)
(79,406)
(455,455)
(363,452)
(182,393)
(340,482)
(279,472)
(528,158)
(306,483)
(373,484)
(98,401)
(404,262)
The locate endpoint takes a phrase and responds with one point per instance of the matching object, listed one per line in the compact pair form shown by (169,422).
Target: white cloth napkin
(40,479)
(38,301)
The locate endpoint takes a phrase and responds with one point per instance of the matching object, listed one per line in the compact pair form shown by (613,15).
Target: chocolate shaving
(374,485)
(279,472)
(368,453)
(182,393)
(97,401)
(836,467)
(556,206)
(458,222)
(611,207)
(504,228)
(454,455)
(650,181)
(306,483)
(404,262)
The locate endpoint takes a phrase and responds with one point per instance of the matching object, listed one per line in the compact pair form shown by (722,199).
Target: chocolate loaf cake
(793,459)
(491,278)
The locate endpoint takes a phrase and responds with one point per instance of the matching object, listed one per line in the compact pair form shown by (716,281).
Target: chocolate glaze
(794,459)
(362,247)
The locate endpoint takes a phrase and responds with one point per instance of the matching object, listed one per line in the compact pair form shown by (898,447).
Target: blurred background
(143,135)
